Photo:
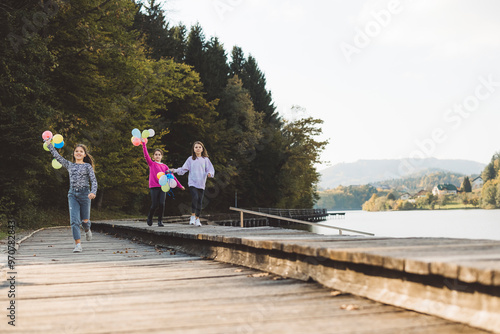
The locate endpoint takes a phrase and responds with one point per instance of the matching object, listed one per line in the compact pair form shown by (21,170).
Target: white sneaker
(78,248)
(197,222)
(88,235)
(191,220)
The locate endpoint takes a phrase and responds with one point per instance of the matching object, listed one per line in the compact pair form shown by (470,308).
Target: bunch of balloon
(57,141)
(137,135)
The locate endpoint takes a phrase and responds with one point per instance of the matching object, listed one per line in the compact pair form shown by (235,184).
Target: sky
(390,79)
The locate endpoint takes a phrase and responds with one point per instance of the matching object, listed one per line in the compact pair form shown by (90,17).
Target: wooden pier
(125,286)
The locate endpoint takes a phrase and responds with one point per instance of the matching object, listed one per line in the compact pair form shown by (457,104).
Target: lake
(470,224)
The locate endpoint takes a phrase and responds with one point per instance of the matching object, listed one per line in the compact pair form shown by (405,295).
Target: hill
(371,171)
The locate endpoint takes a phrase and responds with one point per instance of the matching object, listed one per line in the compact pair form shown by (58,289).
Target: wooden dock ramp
(134,285)
(456,279)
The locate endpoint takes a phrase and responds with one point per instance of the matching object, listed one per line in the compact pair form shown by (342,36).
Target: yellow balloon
(57,139)
(56,164)
(165,188)
(45,147)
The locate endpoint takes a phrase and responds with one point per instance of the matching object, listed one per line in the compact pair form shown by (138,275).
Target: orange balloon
(160,174)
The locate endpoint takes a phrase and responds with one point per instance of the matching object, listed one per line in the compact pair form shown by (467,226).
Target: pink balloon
(136,141)
(46,135)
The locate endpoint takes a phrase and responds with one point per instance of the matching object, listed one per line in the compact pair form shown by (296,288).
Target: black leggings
(157,200)
(196,200)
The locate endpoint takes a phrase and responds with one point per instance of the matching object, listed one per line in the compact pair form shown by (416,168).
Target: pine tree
(466,185)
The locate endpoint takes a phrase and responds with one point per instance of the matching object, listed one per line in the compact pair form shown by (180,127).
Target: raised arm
(56,155)
(146,154)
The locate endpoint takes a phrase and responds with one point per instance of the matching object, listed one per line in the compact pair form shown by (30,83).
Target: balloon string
(171,193)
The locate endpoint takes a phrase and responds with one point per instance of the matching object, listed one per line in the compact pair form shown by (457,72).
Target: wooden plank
(101,292)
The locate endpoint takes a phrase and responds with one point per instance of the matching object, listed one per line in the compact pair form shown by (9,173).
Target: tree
(217,70)
(195,50)
(466,185)
(25,95)
(300,151)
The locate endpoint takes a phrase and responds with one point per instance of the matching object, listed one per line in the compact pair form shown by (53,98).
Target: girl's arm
(209,168)
(93,180)
(185,168)
(146,154)
(56,155)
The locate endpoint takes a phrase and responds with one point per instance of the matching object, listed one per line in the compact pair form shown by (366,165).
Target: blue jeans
(196,200)
(79,209)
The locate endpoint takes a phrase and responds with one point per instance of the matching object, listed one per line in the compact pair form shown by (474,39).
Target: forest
(93,70)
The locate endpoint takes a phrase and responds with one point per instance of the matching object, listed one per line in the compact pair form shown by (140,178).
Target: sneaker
(160,224)
(197,222)
(150,223)
(191,220)
(88,235)
(78,248)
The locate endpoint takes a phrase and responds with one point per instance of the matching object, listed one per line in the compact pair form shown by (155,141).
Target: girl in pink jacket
(157,195)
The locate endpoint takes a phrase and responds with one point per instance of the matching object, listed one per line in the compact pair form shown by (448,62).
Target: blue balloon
(61,144)
(163,180)
(136,133)
(169,176)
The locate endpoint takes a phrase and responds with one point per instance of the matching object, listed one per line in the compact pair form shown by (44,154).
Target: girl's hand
(209,175)
(183,188)
(91,196)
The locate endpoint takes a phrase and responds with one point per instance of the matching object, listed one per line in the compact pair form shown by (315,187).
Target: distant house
(404,196)
(444,189)
(421,193)
(477,183)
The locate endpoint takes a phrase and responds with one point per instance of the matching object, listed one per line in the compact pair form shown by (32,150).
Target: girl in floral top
(81,172)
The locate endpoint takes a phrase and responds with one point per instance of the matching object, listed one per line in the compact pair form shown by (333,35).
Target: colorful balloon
(160,174)
(172,183)
(151,132)
(136,133)
(163,180)
(145,134)
(45,147)
(136,141)
(46,135)
(57,139)
(60,145)
(170,176)
(56,164)
(165,188)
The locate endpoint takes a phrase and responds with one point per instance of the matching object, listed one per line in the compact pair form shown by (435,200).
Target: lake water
(470,224)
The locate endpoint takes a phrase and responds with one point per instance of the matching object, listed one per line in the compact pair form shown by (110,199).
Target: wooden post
(241,219)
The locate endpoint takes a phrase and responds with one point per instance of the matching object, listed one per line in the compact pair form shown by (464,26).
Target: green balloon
(145,134)
(45,147)
(56,164)
(165,188)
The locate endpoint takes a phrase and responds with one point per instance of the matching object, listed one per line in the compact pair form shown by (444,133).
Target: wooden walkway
(457,279)
(121,286)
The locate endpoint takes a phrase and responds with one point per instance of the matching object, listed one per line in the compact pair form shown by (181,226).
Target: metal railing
(242,211)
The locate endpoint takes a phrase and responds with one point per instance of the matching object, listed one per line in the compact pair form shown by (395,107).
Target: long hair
(88,158)
(204,153)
